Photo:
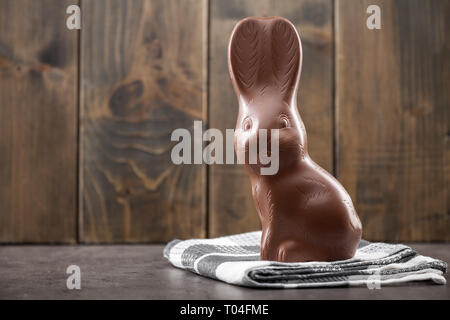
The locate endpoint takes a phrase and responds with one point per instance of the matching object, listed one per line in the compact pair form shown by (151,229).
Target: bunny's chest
(298,194)
(271,200)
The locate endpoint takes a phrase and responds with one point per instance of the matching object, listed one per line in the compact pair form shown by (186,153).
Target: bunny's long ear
(264,55)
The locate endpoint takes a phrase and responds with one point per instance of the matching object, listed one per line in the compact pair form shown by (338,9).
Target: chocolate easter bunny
(306,214)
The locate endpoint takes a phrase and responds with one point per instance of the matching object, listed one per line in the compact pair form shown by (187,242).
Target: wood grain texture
(38,122)
(142,76)
(231,208)
(393,117)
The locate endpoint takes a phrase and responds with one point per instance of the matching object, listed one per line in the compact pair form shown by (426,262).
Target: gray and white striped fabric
(235,259)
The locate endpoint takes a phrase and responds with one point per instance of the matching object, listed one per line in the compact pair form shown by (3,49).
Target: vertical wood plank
(38,122)
(231,206)
(393,102)
(142,76)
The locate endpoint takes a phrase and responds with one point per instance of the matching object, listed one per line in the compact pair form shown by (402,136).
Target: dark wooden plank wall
(38,122)
(375,104)
(393,103)
(142,76)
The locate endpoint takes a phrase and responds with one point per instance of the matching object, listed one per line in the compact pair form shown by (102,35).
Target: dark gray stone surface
(140,272)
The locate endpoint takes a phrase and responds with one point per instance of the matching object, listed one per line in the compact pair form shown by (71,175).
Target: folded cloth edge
(243,272)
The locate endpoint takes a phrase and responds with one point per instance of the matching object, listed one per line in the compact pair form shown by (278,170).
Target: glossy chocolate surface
(306,214)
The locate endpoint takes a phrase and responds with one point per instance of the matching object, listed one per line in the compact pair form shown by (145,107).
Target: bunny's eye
(247,124)
(284,122)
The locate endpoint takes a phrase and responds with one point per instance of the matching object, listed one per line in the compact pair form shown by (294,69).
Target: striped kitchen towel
(235,259)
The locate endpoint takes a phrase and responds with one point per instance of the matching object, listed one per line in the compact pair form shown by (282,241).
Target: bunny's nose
(264,140)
